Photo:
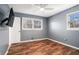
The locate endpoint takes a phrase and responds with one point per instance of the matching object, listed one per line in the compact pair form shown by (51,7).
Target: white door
(14,32)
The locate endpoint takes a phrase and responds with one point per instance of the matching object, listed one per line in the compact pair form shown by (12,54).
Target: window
(73,21)
(37,24)
(31,24)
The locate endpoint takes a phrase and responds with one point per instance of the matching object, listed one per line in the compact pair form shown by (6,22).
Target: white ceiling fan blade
(41,5)
(48,8)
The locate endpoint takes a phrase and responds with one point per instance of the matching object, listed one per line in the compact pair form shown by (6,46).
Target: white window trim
(68,28)
(23,18)
(41,24)
(32,19)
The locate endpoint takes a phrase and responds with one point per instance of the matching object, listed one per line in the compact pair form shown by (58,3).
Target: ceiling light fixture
(42,9)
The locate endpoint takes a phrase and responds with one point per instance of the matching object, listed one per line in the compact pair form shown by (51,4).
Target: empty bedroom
(39,29)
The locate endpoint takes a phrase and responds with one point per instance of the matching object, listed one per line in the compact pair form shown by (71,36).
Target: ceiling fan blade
(48,8)
(41,5)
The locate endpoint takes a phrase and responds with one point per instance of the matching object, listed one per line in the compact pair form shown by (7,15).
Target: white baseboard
(64,44)
(31,40)
(44,39)
(7,49)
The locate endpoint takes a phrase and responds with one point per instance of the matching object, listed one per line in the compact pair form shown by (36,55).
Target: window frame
(68,26)
(32,19)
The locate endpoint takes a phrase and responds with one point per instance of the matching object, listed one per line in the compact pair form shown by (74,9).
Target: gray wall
(59,32)
(4,31)
(33,34)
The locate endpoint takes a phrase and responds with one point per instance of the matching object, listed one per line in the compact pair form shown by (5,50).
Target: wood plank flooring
(42,47)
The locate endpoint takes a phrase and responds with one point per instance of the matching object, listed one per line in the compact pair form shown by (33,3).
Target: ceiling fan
(43,7)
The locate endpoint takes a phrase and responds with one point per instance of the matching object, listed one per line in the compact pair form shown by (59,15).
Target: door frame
(10,32)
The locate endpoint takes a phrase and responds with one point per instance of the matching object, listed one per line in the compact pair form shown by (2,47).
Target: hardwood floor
(42,47)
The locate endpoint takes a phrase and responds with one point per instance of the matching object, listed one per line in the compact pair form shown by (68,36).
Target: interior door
(14,32)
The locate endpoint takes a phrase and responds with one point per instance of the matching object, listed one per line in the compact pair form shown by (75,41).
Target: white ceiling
(36,10)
